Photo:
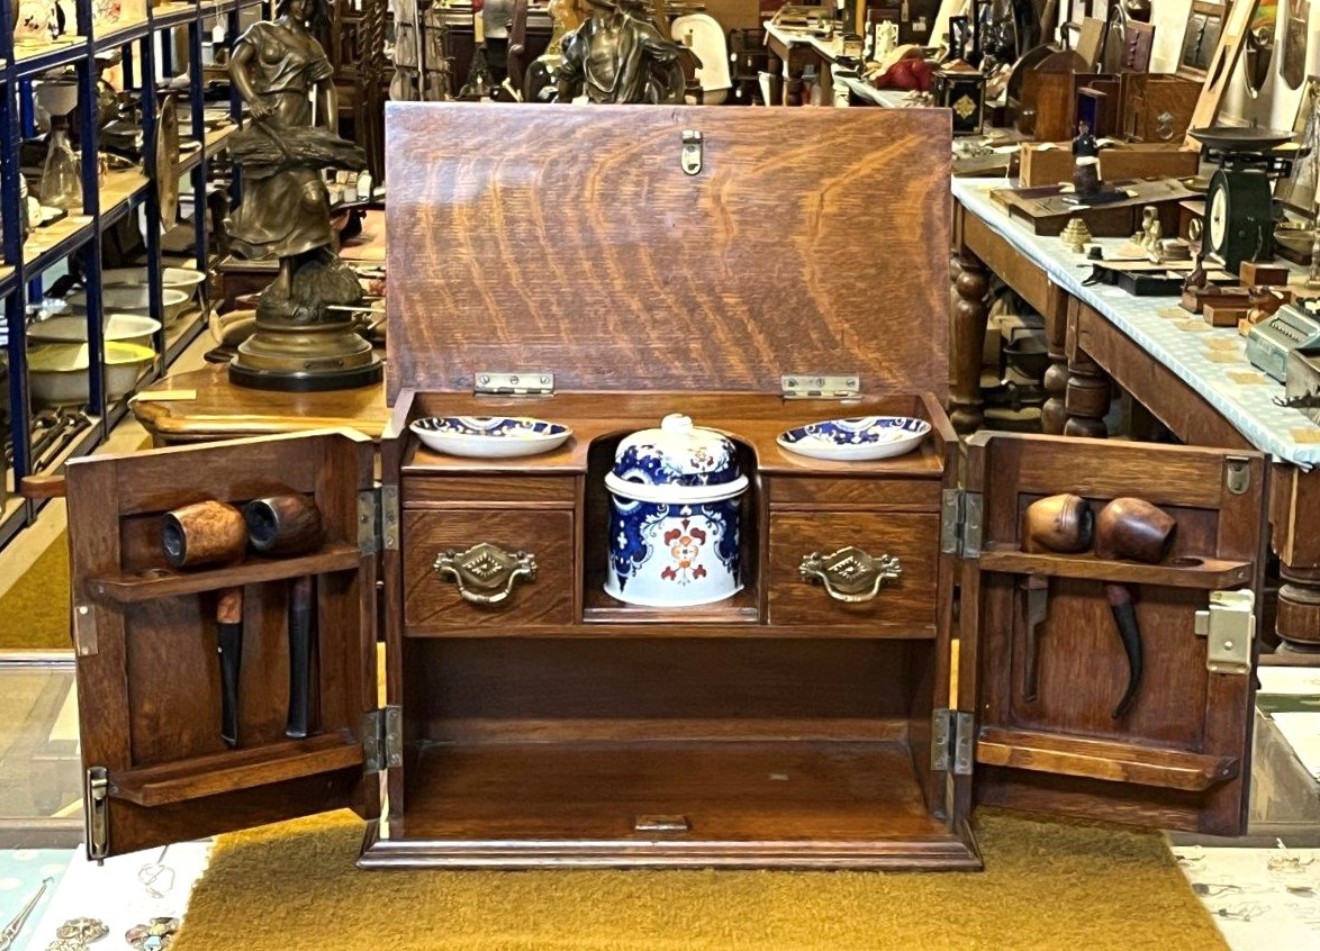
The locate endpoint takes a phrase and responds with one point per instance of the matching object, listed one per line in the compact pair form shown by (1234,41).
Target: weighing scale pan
(1241,138)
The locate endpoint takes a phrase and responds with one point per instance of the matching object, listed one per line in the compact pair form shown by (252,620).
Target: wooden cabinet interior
(530,720)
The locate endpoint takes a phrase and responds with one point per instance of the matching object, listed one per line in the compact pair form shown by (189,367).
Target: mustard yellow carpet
(1047,886)
(34,613)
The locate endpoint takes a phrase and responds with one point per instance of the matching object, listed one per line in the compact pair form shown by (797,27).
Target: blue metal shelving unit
(149,56)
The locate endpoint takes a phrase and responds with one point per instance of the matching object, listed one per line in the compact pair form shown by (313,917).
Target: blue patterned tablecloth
(1211,360)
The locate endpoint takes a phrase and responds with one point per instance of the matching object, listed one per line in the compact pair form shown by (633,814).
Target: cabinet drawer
(432,599)
(903,606)
(520,489)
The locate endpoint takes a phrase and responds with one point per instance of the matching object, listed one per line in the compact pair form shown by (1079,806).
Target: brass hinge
(97,812)
(951,742)
(534,383)
(811,386)
(84,630)
(382,739)
(1229,626)
(378,519)
(960,523)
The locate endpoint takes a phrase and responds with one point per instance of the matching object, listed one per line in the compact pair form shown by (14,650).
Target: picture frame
(1296,192)
(1205,24)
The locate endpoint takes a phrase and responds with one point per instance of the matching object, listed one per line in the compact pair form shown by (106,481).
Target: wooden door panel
(1179,757)
(148,675)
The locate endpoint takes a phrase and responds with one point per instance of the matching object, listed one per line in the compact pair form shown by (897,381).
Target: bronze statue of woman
(301,341)
(278,66)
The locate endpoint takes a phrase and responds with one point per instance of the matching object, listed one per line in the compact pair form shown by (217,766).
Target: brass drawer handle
(850,574)
(485,573)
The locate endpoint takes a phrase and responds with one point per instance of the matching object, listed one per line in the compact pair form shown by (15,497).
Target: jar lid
(677,453)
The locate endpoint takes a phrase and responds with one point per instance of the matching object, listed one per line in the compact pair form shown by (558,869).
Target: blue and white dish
(675,513)
(860,439)
(490,437)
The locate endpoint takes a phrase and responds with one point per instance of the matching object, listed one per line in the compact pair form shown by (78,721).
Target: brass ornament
(485,573)
(1076,235)
(850,575)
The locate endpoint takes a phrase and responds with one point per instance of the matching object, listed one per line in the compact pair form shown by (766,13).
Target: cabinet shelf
(133,587)
(33,58)
(1101,759)
(233,770)
(600,608)
(1205,573)
(123,34)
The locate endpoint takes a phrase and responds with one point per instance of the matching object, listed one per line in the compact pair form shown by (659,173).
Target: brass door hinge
(1229,627)
(1237,474)
(951,742)
(378,519)
(532,383)
(97,813)
(960,523)
(814,386)
(382,739)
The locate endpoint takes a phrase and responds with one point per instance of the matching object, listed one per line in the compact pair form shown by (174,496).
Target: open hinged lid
(630,247)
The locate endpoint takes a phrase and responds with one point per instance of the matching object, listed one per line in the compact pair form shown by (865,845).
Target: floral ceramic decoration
(675,517)
(38,22)
(862,438)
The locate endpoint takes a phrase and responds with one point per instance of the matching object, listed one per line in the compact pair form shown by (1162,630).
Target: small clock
(1239,219)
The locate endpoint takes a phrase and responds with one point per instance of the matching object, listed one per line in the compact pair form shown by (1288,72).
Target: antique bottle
(61,180)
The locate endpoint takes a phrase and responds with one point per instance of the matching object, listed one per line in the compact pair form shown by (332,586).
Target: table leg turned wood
(1086,401)
(969,316)
(1298,620)
(1054,415)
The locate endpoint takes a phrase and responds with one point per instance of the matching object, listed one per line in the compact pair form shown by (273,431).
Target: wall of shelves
(169,41)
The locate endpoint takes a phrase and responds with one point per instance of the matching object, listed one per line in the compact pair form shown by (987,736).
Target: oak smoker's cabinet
(601,267)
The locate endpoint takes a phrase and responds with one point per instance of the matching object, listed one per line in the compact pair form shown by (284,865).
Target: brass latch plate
(1229,626)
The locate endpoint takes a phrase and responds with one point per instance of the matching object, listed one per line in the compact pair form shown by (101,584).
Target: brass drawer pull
(485,573)
(850,574)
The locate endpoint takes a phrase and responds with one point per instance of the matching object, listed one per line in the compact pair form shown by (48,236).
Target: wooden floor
(795,803)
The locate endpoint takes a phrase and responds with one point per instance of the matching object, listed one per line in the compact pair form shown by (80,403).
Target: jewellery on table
(155,935)
(1214,889)
(66,944)
(1284,862)
(157,877)
(11,930)
(82,930)
(1243,912)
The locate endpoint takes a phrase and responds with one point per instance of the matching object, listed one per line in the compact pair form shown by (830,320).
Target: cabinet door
(148,662)
(1044,667)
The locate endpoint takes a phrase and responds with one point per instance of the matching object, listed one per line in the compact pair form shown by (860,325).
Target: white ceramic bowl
(177,278)
(860,439)
(136,299)
(490,437)
(57,372)
(120,328)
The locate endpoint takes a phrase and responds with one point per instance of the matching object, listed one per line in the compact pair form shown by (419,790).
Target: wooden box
(1052,162)
(554,726)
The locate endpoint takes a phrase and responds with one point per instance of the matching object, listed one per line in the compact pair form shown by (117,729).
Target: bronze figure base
(306,359)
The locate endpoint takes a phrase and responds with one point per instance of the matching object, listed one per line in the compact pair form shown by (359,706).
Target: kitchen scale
(1291,328)
(1239,218)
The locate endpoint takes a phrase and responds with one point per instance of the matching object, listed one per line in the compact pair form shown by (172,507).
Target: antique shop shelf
(1207,573)
(232,770)
(183,332)
(1099,759)
(132,587)
(54,242)
(30,60)
(169,15)
(218,139)
(122,34)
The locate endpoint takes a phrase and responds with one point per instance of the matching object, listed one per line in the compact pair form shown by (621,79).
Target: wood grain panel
(433,603)
(525,489)
(571,240)
(908,604)
(879,494)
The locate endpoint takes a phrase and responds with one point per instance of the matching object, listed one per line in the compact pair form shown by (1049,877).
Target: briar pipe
(1057,523)
(1136,530)
(291,524)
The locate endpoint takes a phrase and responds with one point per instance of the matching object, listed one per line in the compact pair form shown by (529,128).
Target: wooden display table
(1192,379)
(219,410)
